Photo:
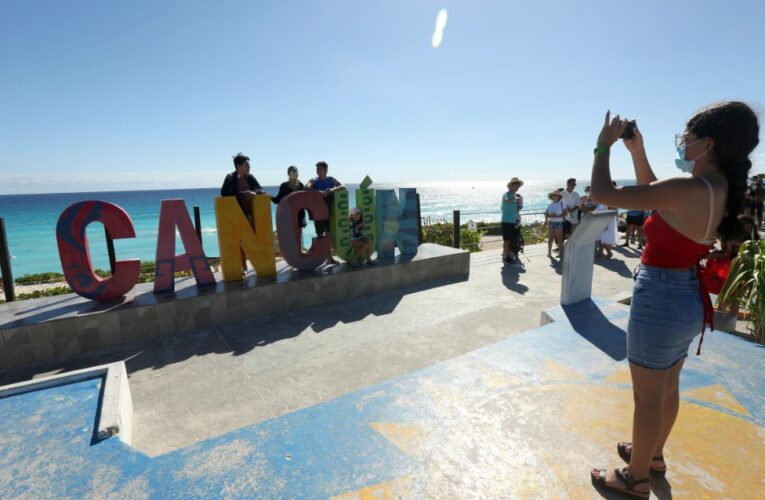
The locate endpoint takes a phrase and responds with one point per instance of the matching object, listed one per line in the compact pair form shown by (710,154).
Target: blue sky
(160,94)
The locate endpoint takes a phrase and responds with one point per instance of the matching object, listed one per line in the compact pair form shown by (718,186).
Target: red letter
(172,214)
(74,250)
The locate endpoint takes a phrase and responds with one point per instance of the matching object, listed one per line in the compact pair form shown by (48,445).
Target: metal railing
(457,218)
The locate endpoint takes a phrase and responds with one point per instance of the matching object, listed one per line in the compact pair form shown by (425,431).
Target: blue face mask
(682,163)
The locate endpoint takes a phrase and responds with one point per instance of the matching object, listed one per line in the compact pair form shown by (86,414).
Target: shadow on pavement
(590,323)
(237,337)
(616,265)
(510,276)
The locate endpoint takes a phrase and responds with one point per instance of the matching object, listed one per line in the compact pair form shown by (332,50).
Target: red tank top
(665,247)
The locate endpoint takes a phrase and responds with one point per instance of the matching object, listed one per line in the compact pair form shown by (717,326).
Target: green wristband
(601,149)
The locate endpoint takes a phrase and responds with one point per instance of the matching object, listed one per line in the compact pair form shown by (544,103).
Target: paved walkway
(522,418)
(194,387)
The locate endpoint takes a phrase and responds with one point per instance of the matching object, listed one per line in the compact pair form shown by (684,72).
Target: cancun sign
(389,222)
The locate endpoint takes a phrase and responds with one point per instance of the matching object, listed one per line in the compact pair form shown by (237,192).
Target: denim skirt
(665,315)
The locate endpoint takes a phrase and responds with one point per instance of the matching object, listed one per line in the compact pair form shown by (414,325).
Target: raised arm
(643,171)
(284,190)
(658,195)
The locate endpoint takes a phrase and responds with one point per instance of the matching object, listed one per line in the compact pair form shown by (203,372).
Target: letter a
(172,214)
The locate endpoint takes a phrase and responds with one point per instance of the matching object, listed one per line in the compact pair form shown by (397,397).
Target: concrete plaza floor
(193,387)
(525,417)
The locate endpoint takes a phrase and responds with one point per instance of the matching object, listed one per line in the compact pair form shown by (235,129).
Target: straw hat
(554,193)
(515,180)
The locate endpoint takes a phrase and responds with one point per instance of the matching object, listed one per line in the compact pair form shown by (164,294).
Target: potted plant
(745,286)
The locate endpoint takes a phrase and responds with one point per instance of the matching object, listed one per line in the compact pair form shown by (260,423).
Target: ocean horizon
(30,219)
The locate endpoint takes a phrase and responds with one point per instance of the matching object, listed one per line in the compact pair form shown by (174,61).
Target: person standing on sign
(512,204)
(242,184)
(325,186)
(292,185)
(570,198)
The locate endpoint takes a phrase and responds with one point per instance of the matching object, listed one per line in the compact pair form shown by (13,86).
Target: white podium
(579,257)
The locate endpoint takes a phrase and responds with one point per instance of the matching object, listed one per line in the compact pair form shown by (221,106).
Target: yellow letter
(235,234)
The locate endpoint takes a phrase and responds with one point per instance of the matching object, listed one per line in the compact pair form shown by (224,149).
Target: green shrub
(470,240)
(534,233)
(59,290)
(30,279)
(439,233)
(442,233)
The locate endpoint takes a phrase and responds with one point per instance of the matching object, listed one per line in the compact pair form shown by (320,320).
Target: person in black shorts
(635,220)
(512,204)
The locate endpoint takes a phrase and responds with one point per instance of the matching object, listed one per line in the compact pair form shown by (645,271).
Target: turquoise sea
(30,220)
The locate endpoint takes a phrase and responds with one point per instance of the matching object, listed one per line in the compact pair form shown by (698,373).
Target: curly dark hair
(735,129)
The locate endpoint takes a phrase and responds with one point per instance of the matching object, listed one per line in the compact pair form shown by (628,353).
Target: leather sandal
(621,448)
(626,478)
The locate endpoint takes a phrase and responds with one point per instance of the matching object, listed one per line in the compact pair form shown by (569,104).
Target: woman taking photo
(669,307)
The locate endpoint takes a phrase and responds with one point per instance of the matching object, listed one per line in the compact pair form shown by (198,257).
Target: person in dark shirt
(292,185)
(242,184)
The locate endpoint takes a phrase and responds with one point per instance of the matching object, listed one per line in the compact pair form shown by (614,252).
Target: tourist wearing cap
(571,199)
(512,204)
(554,219)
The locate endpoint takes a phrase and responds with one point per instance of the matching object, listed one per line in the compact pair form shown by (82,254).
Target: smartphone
(629,130)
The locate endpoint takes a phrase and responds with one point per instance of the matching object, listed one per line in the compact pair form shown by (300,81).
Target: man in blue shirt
(512,204)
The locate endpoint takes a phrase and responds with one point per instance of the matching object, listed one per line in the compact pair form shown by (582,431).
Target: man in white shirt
(571,200)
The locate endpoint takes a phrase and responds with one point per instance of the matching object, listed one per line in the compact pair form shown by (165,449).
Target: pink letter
(74,251)
(172,214)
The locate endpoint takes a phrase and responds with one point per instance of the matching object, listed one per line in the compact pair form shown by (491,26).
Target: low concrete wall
(115,415)
(59,327)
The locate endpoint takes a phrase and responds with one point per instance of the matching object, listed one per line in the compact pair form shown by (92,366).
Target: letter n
(396,222)
(235,234)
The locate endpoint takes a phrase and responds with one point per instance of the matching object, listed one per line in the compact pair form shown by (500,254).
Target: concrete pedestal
(54,328)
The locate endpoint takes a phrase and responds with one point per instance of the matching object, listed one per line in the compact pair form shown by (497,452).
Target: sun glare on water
(438,34)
